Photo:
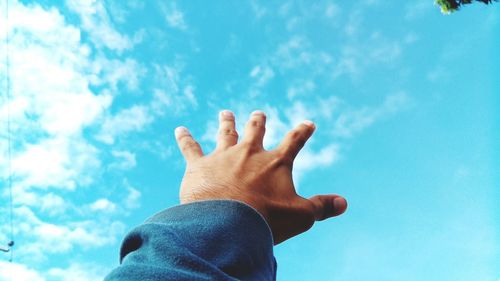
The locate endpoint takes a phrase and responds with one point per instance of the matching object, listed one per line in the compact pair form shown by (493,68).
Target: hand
(246,172)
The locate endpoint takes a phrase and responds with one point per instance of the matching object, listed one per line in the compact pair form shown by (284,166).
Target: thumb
(327,206)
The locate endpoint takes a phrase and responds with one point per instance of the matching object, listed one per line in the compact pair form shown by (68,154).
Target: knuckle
(249,146)
(229,132)
(298,138)
(300,143)
(256,123)
(284,158)
(295,134)
(307,217)
(309,213)
(245,144)
(189,144)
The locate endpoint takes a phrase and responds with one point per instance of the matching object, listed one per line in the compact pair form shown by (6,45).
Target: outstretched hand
(246,172)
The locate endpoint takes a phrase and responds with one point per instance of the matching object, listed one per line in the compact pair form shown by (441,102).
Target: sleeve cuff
(229,234)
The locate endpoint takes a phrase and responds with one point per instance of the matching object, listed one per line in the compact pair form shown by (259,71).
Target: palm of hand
(246,172)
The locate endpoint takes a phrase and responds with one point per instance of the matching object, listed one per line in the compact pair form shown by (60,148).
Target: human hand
(246,172)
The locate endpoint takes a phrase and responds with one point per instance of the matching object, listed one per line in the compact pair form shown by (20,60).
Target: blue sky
(403,98)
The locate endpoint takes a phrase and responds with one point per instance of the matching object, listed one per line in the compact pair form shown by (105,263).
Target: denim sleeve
(204,240)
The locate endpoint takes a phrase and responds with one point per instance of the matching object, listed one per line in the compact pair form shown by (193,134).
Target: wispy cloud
(52,204)
(258,9)
(96,22)
(296,53)
(133,196)
(418,9)
(353,121)
(124,160)
(115,72)
(125,121)
(261,74)
(172,15)
(300,88)
(55,110)
(174,92)
(375,50)
(103,205)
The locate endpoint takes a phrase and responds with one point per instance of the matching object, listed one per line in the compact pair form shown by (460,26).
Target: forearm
(205,240)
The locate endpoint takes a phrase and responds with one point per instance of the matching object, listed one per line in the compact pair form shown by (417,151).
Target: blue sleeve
(204,240)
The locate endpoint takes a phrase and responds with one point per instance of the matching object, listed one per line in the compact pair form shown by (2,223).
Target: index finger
(190,148)
(295,139)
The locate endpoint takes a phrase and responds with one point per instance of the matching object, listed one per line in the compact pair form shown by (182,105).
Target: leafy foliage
(449,6)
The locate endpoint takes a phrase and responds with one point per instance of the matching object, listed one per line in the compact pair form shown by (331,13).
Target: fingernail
(180,131)
(339,205)
(227,113)
(309,123)
(256,112)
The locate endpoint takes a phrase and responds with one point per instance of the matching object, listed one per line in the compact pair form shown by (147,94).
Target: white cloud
(275,127)
(58,86)
(438,74)
(410,38)
(349,62)
(296,53)
(41,239)
(126,120)
(52,204)
(77,272)
(95,20)
(353,24)
(175,92)
(353,121)
(56,162)
(103,205)
(258,10)
(133,196)
(261,74)
(386,53)
(189,95)
(376,50)
(291,53)
(309,160)
(125,160)
(18,272)
(170,76)
(173,16)
(328,107)
(417,9)
(299,112)
(114,72)
(211,130)
(161,101)
(53,238)
(285,8)
(300,88)
(296,14)
(159,148)
(74,272)
(53,108)
(332,10)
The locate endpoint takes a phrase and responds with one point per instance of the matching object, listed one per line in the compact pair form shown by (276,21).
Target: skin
(246,172)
